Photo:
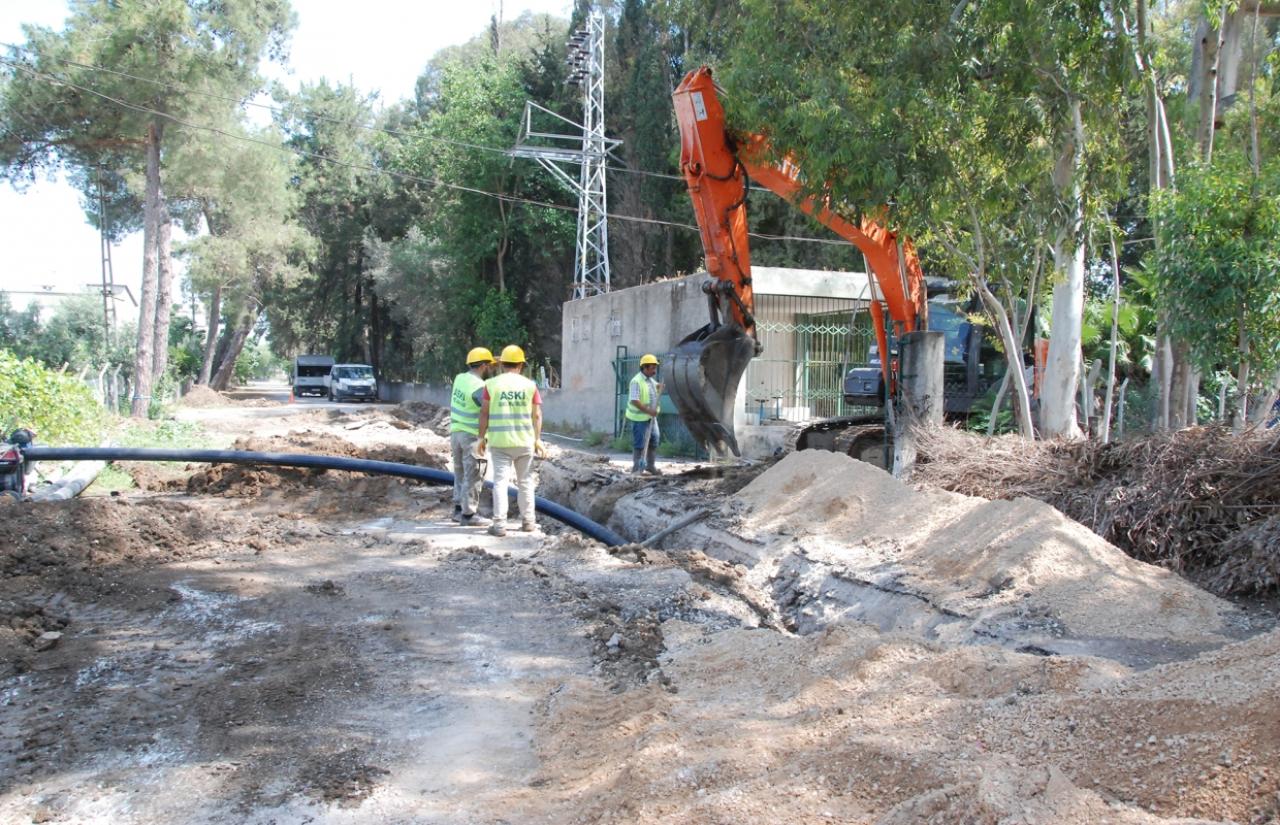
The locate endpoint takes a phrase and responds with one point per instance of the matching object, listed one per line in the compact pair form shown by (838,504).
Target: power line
(375,169)
(280,111)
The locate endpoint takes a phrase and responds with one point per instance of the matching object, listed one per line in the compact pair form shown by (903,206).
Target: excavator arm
(718,167)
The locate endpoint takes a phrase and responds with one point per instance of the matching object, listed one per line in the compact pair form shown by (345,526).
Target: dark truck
(311,374)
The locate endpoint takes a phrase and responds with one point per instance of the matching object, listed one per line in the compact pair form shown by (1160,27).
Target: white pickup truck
(351,382)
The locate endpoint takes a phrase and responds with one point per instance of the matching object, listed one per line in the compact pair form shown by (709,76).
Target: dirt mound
(1003,560)
(852,725)
(201,396)
(424,414)
(1190,500)
(253,480)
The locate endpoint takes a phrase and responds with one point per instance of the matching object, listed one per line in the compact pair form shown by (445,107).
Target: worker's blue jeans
(638,430)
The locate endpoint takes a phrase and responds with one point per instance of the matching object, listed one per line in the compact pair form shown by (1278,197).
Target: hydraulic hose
(327,462)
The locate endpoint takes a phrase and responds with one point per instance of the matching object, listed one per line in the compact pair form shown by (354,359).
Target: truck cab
(352,382)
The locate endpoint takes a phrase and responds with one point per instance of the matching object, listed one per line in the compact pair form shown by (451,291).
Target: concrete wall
(649,318)
(653,318)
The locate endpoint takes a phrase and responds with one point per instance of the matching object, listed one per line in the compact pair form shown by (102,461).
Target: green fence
(674,433)
(809,344)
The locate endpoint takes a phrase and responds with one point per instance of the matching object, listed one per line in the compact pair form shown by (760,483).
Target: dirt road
(242,645)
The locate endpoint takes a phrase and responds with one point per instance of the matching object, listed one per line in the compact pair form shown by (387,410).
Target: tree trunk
(234,347)
(1262,404)
(211,337)
(1164,375)
(1242,377)
(1062,371)
(1179,385)
(1115,338)
(1013,357)
(164,288)
(1124,385)
(143,358)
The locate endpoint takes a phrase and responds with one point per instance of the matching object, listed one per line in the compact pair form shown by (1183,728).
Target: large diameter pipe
(326,462)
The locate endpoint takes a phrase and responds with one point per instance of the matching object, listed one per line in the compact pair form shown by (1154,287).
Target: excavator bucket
(703,381)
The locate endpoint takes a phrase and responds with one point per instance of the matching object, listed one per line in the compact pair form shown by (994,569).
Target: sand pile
(201,396)
(998,560)
(852,725)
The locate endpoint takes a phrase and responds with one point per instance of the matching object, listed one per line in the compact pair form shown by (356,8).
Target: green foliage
(1218,268)
(73,336)
(59,408)
(497,323)
(258,362)
(167,433)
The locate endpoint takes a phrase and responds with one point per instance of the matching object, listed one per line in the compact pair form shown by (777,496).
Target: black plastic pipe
(327,462)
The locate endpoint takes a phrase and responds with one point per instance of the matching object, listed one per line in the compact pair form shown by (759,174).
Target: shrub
(60,409)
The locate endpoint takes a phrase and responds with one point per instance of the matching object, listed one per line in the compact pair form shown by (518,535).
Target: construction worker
(511,427)
(464,432)
(642,412)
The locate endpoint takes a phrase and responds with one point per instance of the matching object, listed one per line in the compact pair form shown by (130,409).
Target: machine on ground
(707,365)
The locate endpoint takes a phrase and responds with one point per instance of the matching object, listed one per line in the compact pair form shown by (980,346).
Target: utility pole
(108,275)
(589,149)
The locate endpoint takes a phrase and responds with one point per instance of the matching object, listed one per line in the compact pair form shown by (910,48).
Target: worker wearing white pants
(507,460)
(511,426)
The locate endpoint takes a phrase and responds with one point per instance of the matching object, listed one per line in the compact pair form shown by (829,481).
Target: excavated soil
(823,645)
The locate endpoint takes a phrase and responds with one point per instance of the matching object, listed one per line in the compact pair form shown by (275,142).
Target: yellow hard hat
(479,355)
(511,354)
(647,359)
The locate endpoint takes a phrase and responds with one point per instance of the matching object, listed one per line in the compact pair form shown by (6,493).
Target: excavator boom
(718,167)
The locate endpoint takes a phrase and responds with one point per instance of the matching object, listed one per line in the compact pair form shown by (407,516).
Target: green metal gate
(674,433)
(809,344)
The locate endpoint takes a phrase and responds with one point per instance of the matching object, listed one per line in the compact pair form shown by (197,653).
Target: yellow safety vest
(464,412)
(631,412)
(510,410)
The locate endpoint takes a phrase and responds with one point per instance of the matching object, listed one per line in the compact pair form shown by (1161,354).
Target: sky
(377,45)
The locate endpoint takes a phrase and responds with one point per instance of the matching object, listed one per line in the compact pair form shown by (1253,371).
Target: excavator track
(860,437)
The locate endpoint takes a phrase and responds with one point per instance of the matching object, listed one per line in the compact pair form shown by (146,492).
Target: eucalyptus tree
(985,126)
(240,185)
(112,84)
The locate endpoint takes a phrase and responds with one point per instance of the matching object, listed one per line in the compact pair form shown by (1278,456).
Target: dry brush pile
(1201,501)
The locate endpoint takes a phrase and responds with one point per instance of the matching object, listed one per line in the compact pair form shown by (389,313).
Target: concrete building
(812,325)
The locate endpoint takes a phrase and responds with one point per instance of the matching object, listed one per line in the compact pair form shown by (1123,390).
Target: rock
(46,640)
(615,641)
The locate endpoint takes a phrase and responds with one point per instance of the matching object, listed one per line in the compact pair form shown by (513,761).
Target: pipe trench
(357,465)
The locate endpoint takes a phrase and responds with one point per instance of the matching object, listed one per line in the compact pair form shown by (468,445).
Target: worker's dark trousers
(639,430)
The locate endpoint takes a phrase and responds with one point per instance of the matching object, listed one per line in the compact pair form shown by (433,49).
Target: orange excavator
(718,167)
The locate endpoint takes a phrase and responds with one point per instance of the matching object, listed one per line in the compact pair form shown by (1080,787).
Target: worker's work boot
(457,513)
(637,460)
(474,520)
(497,529)
(651,466)
(528,526)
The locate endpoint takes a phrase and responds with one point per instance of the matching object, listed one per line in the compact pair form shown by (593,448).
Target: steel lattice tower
(589,149)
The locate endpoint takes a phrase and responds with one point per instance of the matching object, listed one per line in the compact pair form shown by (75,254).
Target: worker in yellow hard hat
(464,432)
(642,413)
(511,427)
